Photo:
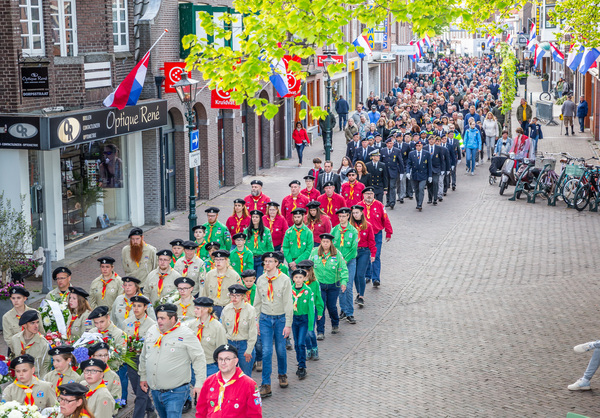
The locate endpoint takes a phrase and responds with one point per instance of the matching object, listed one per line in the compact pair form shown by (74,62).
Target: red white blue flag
(128,92)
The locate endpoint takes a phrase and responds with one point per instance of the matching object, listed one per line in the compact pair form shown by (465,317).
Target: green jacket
(174,259)
(319,304)
(304,303)
(218,233)
(201,250)
(290,247)
(284,269)
(350,248)
(247,262)
(263,245)
(333,271)
(252,291)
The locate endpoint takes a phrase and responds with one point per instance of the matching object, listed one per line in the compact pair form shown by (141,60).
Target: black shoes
(187,406)
(375,284)
(351,319)
(301,373)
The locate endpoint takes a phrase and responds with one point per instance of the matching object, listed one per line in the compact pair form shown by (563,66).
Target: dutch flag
(556,54)
(279,77)
(531,35)
(538,55)
(361,41)
(574,57)
(588,59)
(128,92)
(509,39)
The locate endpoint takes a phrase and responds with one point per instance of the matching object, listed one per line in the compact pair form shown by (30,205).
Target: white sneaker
(472,173)
(582,348)
(476,164)
(581,384)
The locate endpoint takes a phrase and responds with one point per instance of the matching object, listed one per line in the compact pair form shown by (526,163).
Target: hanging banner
(173,72)
(339,59)
(220,99)
(294,83)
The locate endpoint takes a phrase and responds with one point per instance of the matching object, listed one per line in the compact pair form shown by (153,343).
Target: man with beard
(139,258)
(257,200)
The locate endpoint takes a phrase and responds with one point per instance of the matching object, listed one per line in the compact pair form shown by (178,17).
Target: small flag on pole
(574,57)
(588,59)
(361,41)
(557,56)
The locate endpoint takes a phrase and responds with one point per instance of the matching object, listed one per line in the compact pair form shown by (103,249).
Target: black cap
(185,280)
(365,139)
(240,201)
(329,183)
(299,271)
(352,170)
(92,362)
(270,254)
(212,209)
(189,245)
(140,299)
(294,182)
(368,189)
(299,211)
(386,141)
(92,349)
(309,177)
(260,183)
(19,290)
(222,348)
(327,236)
(273,203)
(313,204)
(202,227)
(237,289)
(130,279)
(62,349)
(98,312)
(355,133)
(257,212)
(343,210)
(305,264)
(176,241)
(79,291)
(28,316)
(135,231)
(204,301)
(167,307)
(280,256)
(221,253)
(106,260)
(25,358)
(72,389)
(60,270)
(248,273)
(210,245)
(240,234)
(168,253)
(359,207)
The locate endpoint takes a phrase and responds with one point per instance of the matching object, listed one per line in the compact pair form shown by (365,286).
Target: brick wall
(151,160)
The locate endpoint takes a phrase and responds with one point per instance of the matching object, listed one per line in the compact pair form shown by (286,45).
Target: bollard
(47,274)
(531,98)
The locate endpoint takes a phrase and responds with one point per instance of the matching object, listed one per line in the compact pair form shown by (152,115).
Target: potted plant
(16,237)
(24,268)
(522,77)
(88,197)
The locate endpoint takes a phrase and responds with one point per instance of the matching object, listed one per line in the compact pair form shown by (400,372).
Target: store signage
(403,49)
(220,99)
(98,124)
(293,81)
(19,132)
(339,59)
(34,82)
(173,72)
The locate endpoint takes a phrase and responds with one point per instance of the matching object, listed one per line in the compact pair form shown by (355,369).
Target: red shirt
(257,203)
(289,203)
(312,195)
(241,397)
(377,217)
(330,206)
(236,225)
(319,228)
(277,228)
(352,193)
(299,136)
(366,239)
(315,173)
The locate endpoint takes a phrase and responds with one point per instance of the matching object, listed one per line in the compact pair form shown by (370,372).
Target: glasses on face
(88,371)
(107,152)
(183,289)
(225,360)
(102,355)
(67,401)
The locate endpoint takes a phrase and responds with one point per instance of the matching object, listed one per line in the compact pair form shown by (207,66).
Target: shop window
(120,26)
(64,27)
(32,28)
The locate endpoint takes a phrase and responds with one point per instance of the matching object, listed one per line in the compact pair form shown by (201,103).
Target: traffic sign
(194,141)
(194,159)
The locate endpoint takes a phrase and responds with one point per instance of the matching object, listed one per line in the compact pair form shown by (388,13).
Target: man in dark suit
(418,172)
(329,175)
(438,166)
(454,144)
(362,153)
(445,176)
(352,146)
(379,175)
(392,158)
(404,187)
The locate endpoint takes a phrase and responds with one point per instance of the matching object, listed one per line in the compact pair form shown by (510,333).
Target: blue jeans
(170,404)
(581,123)
(300,149)
(122,372)
(241,347)
(594,362)
(271,328)
(211,369)
(343,118)
(471,153)
(299,329)
(329,293)
(363,261)
(258,349)
(258,266)
(376,265)
(347,297)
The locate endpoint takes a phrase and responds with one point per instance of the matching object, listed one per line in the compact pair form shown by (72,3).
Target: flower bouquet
(5,374)
(135,345)
(171,297)
(52,412)
(14,409)
(117,353)
(5,290)
(54,339)
(55,315)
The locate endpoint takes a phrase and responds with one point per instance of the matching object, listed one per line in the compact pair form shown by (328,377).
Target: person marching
(62,275)
(185,288)
(106,287)
(215,230)
(418,171)
(161,281)
(346,241)
(331,202)
(391,156)
(100,401)
(240,256)
(199,234)
(218,281)
(310,190)
(259,241)
(191,266)
(257,200)
(10,320)
(79,311)
(304,318)
(366,252)
(177,250)
(379,175)
(229,393)
(30,341)
(136,327)
(276,223)
(27,389)
(377,217)
(249,280)
(239,320)
(99,351)
(64,364)
(332,274)
(209,261)
(298,240)
(312,349)
(293,201)
(138,258)
(239,219)
(209,330)
(352,189)
(317,221)
(72,401)
(121,309)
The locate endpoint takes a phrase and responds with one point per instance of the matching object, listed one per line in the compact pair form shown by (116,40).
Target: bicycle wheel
(503,185)
(546,96)
(582,197)
(543,185)
(569,189)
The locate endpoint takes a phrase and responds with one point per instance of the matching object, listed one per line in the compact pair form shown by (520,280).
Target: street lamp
(328,140)
(187,88)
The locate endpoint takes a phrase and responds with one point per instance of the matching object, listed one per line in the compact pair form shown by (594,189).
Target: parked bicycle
(587,190)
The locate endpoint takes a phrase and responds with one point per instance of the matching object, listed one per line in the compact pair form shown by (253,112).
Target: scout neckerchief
(24,347)
(161,282)
(270,292)
(368,209)
(238,223)
(241,257)
(184,308)
(271,221)
(342,233)
(296,293)
(157,343)
(256,200)
(128,306)
(255,234)
(248,295)
(210,232)
(325,258)
(329,205)
(91,392)
(220,284)
(105,283)
(84,414)
(298,236)
(187,263)
(201,328)
(351,189)
(294,205)
(73,319)
(136,330)
(28,392)
(222,386)
(236,324)
(60,380)
(200,245)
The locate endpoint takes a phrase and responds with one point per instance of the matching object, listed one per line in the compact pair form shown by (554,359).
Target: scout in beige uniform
(104,326)
(169,350)
(209,331)
(79,309)
(63,362)
(274,306)
(62,275)
(100,401)
(239,320)
(145,256)
(185,304)
(29,341)
(191,266)
(73,403)
(10,320)
(122,308)
(106,287)
(99,351)
(28,389)
(218,280)
(161,281)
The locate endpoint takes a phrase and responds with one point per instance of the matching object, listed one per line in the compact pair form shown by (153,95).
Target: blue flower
(81,354)
(121,402)
(3,368)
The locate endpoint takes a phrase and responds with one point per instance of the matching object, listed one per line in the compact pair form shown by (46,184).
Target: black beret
(220,253)
(359,207)
(365,139)
(355,133)
(309,177)
(92,349)
(92,362)
(167,253)
(299,211)
(79,291)
(305,264)
(167,307)
(212,209)
(327,236)
(270,254)
(60,270)
(343,210)
(280,256)
(351,171)
(299,271)
(248,273)
(140,299)
(210,245)
(176,241)
(63,349)
(329,183)
(260,183)
(19,290)
(99,312)
(185,280)
(240,201)
(202,227)
(294,182)
(130,279)
(257,212)
(368,189)
(189,245)
(241,234)
(313,204)
(28,316)
(222,348)
(136,231)
(106,260)
(273,203)
(72,389)
(237,289)
(204,301)
(25,358)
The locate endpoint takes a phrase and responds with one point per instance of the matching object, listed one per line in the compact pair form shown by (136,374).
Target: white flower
(47,321)
(15,414)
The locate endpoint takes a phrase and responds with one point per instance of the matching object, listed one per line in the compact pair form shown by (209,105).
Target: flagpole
(159,38)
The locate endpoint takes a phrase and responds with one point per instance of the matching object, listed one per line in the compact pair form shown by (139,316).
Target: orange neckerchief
(157,343)
(329,205)
(161,280)
(104,284)
(298,235)
(73,319)
(84,414)
(368,209)
(187,263)
(270,292)
(222,386)
(60,379)
(184,308)
(343,232)
(270,223)
(201,328)
(294,199)
(255,233)
(325,258)
(128,307)
(210,232)
(136,330)
(248,294)
(28,392)
(25,348)
(90,393)
(351,190)
(241,257)
(236,324)
(199,248)
(238,223)
(219,285)
(297,295)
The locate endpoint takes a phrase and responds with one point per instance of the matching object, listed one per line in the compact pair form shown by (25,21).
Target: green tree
(16,235)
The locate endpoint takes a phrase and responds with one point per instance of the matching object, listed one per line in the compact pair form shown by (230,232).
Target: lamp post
(326,63)
(187,88)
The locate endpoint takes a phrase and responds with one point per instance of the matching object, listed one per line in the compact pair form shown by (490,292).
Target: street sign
(194,141)
(194,159)
(339,59)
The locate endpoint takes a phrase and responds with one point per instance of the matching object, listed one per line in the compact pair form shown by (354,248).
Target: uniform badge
(212,403)
(236,406)
(212,390)
(40,394)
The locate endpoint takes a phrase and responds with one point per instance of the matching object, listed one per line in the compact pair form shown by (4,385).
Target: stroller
(496,168)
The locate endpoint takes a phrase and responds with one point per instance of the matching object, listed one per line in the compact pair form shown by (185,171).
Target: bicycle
(571,185)
(585,192)
(546,179)
(523,178)
(548,95)
(566,173)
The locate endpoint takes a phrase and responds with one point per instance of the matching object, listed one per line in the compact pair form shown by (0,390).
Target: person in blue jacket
(418,171)
(472,143)
(582,111)
(342,108)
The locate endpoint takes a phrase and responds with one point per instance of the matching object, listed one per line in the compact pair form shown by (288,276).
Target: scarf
(25,348)
(255,233)
(296,293)
(219,285)
(199,247)
(343,232)
(91,393)
(161,279)
(136,330)
(73,319)
(184,308)
(236,324)
(294,205)
(325,258)
(28,392)
(222,386)
(128,306)
(241,257)
(270,291)
(238,224)
(187,263)
(159,341)
(201,328)
(105,283)
(298,235)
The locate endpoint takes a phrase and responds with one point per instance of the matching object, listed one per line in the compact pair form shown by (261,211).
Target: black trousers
(432,188)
